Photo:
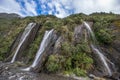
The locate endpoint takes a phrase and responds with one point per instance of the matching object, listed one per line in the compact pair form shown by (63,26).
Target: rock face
(57,46)
(46,46)
(10,71)
(27,41)
(80,35)
(113,51)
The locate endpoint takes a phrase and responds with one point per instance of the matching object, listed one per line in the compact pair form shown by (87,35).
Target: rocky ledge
(13,71)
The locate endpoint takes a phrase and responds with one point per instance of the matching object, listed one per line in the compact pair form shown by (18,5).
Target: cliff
(71,52)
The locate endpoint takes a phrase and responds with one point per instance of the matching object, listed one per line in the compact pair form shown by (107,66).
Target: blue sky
(59,8)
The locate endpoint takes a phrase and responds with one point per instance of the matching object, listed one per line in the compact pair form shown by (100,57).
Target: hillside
(70,52)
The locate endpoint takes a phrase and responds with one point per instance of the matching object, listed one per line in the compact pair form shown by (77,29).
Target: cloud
(90,6)
(13,6)
(30,7)
(9,6)
(63,8)
(86,6)
(59,8)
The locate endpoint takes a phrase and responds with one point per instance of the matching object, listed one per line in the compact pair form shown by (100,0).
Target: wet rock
(95,77)
(83,33)
(15,73)
(80,33)
(112,52)
(116,45)
(57,46)
(115,76)
(27,41)
(47,51)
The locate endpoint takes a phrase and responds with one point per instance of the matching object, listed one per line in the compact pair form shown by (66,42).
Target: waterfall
(23,38)
(45,42)
(97,51)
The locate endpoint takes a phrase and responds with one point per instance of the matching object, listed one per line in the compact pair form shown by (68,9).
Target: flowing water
(46,40)
(97,51)
(23,38)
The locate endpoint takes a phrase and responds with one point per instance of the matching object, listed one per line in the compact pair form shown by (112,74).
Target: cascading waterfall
(23,38)
(46,40)
(97,51)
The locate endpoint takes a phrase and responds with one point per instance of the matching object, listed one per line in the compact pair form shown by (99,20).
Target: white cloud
(10,6)
(56,6)
(84,6)
(60,8)
(30,7)
(43,1)
(43,6)
(50,12)
(89,6)
(50,5)
(60,12)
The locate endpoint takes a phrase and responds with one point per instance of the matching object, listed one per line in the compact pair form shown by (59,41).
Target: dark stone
(27,42)
(80,33)
(44,56)
(57,46)
(116,45)
(115,76)
(13,72)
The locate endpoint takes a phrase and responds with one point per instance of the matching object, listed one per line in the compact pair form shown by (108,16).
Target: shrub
(82,61)
(80,72)
(102,31)
(104,37)
(83,47)
(68,64)
(53,63)
(66,49)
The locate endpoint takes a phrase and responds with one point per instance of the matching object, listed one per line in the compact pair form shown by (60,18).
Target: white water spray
(46,40)
(102,57)
(23,38)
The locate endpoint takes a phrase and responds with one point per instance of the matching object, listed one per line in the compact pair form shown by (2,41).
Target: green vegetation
(53,63)
(80,72)
(72,58)
(76,58)
(117,23)
(102,27)
(7,35)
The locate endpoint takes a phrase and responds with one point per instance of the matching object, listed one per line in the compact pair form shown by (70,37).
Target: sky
(59,8)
